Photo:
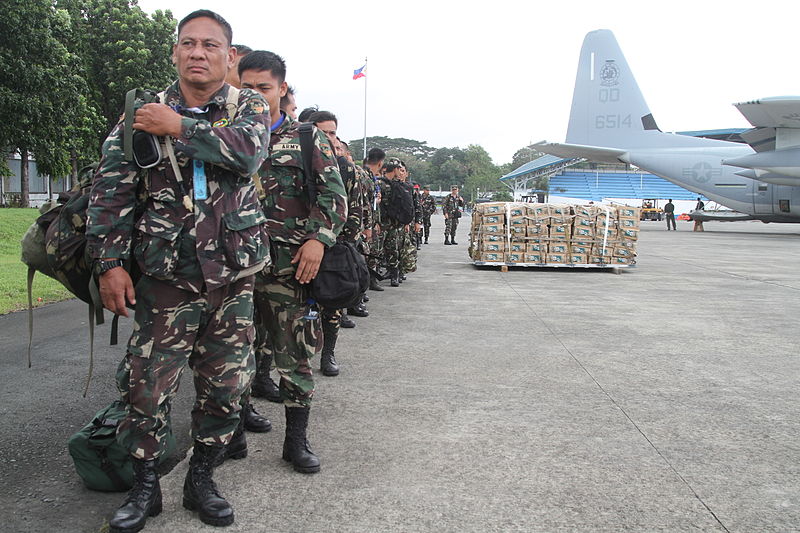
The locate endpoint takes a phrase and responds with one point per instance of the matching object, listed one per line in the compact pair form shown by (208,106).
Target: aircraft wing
(592,153)
(775,122)
(775,112)
(775,138)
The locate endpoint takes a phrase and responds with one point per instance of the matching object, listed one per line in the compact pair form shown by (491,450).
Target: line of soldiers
(228,240)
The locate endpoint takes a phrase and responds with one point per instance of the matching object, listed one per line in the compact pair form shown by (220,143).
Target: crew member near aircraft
(669,213)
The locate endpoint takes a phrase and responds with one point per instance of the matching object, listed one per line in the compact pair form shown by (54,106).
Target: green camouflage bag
(101,462)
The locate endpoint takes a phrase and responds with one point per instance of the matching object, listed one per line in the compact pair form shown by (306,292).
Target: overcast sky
(501,73)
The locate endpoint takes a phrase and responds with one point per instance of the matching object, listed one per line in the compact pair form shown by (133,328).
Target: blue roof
(532,166)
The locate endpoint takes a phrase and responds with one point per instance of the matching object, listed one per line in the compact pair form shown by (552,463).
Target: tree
(40,87)
(121,48)
(418,169)
(418,149)
(482,173)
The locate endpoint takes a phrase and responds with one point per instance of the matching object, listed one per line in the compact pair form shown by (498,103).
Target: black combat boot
(253,421)
(263,386)
(144,499)
(200,493)
(453,240)
(374,285)
(447,240)
(346,322)
(358,310)
(364,298)
(295,447)
(394,275)
(327,361)
(237,447)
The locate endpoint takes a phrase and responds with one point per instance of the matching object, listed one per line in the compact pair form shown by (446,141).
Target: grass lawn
(13,272)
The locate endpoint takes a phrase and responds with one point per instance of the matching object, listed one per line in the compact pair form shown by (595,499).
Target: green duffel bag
(101,462)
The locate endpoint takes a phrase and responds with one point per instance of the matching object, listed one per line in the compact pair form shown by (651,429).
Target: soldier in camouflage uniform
(333,319)
(395,243)
(372,169)
(408,253)
(451,208)
(299,231)
(428,209)
(198,259)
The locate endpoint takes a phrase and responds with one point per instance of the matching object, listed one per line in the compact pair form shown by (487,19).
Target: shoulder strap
(127,139)
(232,102)
(306,130)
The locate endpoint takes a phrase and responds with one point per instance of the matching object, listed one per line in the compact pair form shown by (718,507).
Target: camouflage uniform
(194,300)
(280,299)
(450,208)
(351,231)
(393,231)
(428,209)
(408,252)
(374,247)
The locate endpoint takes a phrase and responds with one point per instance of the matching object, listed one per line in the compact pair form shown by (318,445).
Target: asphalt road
(662,399)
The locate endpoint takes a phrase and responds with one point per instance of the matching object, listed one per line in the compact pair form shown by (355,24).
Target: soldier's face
(202,55)
(328,127)
(270,87)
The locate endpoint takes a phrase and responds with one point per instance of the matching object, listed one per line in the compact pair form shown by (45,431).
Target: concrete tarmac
(537,400)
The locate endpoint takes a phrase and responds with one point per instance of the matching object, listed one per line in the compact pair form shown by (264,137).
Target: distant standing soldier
(698,224)
(428,209)
(199,242)
(669,213)
(452,212)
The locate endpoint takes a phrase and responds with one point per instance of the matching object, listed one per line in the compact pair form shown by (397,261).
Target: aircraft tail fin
(608,108)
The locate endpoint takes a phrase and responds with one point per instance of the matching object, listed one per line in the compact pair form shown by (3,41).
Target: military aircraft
(610,122)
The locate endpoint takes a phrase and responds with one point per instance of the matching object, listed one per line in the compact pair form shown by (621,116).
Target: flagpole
(365,109)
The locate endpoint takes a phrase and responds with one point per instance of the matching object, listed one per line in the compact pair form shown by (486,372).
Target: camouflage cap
(392,163)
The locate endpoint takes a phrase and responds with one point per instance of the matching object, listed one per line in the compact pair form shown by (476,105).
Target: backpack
(400,206)
(55,244)
(343,275)
(100,461)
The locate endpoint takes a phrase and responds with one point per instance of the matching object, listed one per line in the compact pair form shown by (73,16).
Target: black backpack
(343,274)
(400,204)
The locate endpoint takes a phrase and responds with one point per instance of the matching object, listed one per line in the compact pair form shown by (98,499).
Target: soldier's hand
(115,288)
(416,227)
(308,258)
(367,234)
(377,229)
(158,119)
(407,228)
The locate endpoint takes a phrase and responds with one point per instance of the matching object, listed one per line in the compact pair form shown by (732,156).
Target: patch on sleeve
(221,123)
(257,106)
(325,148)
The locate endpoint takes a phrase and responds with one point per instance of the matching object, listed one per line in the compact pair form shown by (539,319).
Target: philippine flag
(360,72)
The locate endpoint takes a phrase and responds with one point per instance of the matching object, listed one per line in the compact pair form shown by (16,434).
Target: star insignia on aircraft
(701,172)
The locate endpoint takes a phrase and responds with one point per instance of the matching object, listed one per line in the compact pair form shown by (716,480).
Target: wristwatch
(101,266)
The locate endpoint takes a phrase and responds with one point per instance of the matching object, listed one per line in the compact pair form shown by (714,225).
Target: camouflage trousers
(393,240)
(375,257)
(408,253)
(281,303)
(212,332)
(426,226)
(450,226)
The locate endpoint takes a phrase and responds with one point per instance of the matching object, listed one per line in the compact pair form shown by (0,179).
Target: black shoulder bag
(343,274)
